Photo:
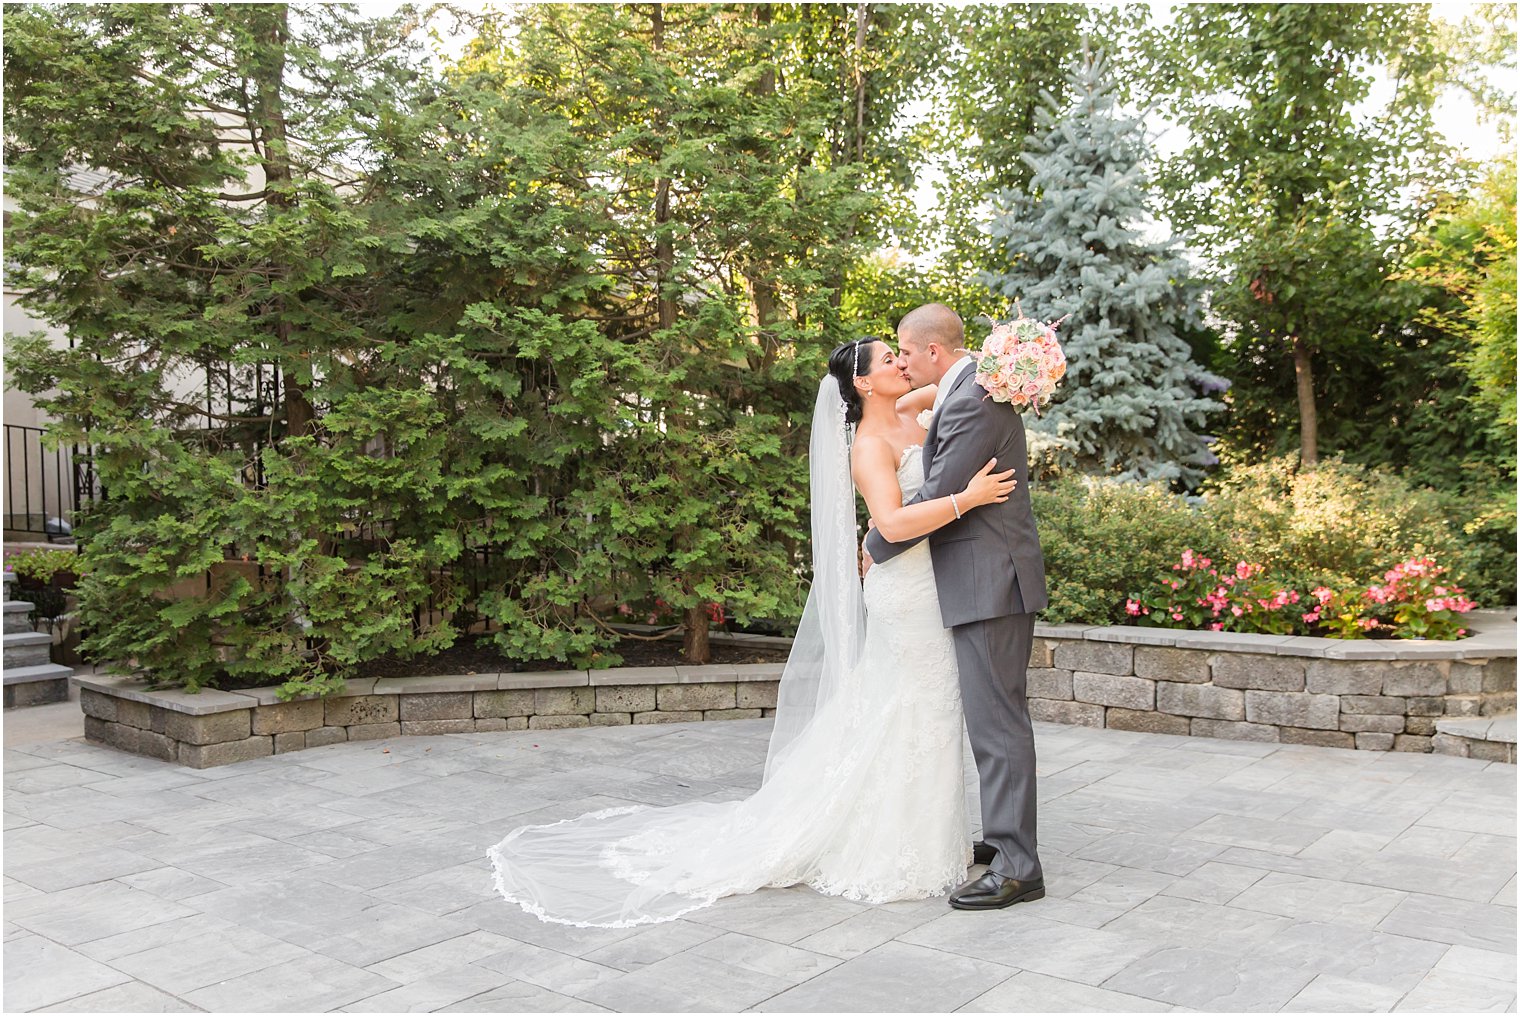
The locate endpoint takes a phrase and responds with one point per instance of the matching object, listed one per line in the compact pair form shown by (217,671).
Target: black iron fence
(43,488)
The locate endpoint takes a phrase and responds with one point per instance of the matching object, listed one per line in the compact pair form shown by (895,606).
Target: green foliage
(1103,539)
(40,564)
(1287,187)
(1462,265)
(1133,402)
(545,331)
(1000,62)
(1337,525)
(1199,594)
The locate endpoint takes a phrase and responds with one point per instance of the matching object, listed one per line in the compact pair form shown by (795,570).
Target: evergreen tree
(1133,401)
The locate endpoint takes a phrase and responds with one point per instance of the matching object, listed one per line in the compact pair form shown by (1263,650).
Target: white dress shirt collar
(948,381)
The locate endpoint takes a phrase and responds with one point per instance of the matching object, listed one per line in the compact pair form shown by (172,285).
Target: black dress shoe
(983,853)
(993,892)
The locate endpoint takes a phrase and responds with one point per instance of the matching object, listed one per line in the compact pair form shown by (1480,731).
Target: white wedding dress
(868,801)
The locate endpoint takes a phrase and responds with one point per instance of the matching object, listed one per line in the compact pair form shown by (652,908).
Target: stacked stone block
(31,678)
(1378,705)
(1251,688)
(213,728)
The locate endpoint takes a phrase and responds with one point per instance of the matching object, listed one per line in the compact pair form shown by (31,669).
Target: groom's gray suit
(991,579)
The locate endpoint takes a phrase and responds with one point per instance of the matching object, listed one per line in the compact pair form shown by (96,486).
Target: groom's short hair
(933,322)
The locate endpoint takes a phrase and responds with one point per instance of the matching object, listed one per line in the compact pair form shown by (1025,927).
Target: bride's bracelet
(955,506)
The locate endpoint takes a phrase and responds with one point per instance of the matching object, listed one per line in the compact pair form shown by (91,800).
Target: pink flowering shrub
(1197,594)
(1411,601)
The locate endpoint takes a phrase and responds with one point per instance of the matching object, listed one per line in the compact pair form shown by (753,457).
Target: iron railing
(44,489)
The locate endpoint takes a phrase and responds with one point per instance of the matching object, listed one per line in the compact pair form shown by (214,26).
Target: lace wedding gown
(868,804)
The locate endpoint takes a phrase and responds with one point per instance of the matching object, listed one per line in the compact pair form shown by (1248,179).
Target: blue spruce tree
(1133,402)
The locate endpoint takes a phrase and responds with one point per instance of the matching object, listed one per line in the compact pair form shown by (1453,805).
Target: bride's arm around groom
(990,575)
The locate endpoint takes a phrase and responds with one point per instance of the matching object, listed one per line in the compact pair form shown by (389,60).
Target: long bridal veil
(638,865)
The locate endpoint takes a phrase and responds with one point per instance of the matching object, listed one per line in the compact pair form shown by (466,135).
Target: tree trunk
(664,246)
(268,63)
(1308,420)
(762,290)
(856,150)
(274,150)
(695,647)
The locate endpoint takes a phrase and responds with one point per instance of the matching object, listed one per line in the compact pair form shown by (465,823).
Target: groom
(991,578)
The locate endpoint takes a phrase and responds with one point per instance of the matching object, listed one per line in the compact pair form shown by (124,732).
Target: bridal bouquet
(1021,363)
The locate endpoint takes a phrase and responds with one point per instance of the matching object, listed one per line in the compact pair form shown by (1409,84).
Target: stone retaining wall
(1370,695)
(1266,694)
(211,728)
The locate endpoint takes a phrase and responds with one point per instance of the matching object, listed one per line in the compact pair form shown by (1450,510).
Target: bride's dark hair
(847,363)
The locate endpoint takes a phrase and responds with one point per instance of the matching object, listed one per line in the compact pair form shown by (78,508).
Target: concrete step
(16,616)
(1485,737)
(27,648)
(35,686)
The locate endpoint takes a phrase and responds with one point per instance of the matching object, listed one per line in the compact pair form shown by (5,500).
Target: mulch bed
(479,656)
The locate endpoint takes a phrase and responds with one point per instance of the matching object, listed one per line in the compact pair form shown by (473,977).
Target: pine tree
(1133,401)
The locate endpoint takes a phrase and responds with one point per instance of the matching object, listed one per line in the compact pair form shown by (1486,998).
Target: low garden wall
(1375,695)
(211,728)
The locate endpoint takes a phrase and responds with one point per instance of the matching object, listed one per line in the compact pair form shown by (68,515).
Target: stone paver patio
(1183,873)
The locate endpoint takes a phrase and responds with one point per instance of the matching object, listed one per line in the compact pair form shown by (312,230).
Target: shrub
(1102,539)
(1334,527)
(1198,595)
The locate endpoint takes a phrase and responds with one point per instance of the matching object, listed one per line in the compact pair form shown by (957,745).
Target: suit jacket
(987,563)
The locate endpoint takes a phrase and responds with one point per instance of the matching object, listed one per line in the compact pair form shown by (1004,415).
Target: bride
(862,795)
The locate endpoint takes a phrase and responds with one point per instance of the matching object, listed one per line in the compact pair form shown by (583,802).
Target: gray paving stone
(1203,979)
(894,977)
(762,957)
(1030,992)
(1214,882)
(1079,914)
(1361,954)
(180,930)
(376,856)
(1170,920)
(1173,856)
(440,957)
(1020,937)
(40,973)
(1319,899)
(1125,888)
(305,984)
(132,996)
(514,923)
(1436,876)
(377,933)
(685,982)
(85,913)
(783,916)
(1328,993)
(72,870)
(865,931)
(652,943)
(1448,991)
(433,992)
(520,996)
(182,966)
(1240,831)
(1481,925)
